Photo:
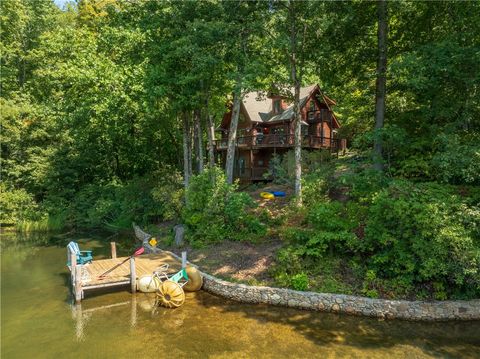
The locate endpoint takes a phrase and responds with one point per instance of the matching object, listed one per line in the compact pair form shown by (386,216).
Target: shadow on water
(434,338)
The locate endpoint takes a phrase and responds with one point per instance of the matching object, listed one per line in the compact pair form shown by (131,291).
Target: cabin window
(312,105)
(260,162)
(241,118)
(324,114)
(304,130)
(277,106)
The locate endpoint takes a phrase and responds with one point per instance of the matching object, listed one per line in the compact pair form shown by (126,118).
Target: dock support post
(78,284)
(133,275)
(113,246)
(73,263)
(73,277)
(184,260)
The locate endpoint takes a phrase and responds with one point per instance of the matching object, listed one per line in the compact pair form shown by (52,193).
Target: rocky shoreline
(347,304)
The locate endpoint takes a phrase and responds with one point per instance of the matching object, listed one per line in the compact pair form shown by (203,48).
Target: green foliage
(323,274)
(423,233)
(404,239)
(314,164)
(362,182)
(457,160)
(48,223)
(280,169)
(299,281)
(215,211)
(117,205)
(17,205)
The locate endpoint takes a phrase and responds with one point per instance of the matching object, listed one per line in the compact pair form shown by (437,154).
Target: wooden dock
(87,277)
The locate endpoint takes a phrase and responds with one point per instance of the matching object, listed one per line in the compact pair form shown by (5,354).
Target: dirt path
(238,261)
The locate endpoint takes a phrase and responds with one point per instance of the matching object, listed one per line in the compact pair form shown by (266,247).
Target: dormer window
(277,106)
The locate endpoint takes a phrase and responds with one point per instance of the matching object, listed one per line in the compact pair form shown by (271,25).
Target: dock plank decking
(87,277)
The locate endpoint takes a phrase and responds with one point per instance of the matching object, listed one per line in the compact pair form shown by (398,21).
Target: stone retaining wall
(339,303)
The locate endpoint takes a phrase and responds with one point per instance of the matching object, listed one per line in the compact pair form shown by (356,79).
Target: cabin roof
(259,107)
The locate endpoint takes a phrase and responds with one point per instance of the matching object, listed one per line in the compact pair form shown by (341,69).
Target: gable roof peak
(258,104)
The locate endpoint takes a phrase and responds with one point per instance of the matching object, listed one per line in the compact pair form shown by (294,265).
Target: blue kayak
(278,193)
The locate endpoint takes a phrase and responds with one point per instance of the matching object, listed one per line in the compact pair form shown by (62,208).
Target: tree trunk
(232,134)
(381,86)
(198,141)
(187,163)
(211,140)
(296,106)
(210,136)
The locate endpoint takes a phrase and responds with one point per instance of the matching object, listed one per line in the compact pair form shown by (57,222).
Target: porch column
(251,164)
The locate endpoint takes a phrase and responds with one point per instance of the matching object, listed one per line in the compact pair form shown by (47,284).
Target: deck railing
(280,140)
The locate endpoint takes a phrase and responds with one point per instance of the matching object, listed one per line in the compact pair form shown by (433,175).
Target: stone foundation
(348,304)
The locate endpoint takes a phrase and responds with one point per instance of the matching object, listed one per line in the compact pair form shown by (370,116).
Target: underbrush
(383,237)
(215,211)
(112,205)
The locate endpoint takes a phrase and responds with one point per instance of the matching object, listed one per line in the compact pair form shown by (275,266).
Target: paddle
(137,252)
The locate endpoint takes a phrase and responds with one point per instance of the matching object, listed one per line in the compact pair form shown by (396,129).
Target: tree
(292,18)
(381,82)
(232,133)
(245,51)
(296,34)
(198,140)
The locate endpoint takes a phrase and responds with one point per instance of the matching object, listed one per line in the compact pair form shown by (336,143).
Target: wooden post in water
(133,275)
(184,260)
(73,265)
(113,246)
(78,283)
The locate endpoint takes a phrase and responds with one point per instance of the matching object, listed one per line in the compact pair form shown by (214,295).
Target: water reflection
(81,317)
(145,302)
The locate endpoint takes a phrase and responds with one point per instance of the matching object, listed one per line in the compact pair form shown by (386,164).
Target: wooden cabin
(266,127)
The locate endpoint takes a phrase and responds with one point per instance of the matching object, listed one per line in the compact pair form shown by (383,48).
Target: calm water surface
(38,320)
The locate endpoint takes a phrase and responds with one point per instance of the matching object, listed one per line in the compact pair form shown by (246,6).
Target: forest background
(98,100)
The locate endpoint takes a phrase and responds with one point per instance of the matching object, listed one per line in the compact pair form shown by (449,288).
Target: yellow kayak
(267,195)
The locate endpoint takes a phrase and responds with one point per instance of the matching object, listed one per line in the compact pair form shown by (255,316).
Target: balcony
(280,141)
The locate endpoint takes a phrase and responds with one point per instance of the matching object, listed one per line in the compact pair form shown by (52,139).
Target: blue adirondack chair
(83,257)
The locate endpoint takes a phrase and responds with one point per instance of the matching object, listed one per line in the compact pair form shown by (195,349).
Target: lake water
(38,320)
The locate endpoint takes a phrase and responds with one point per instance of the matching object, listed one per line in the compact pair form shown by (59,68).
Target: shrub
(315,187)
(406,239)
(299,281)
(363,183)
(17,205)
(423,233)
(214,211)
(282,167)
(116,205)
(457,160)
